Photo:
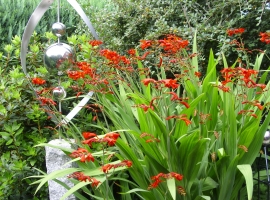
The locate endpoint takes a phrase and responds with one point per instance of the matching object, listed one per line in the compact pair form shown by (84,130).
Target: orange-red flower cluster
(145,44)
(109,139)
(114,57)
(179,99)
(85,69)
(123,163)
(46,101)
(38,81)
(157,179)
(81,177)
(182,117)
(239,73)
(265,37)
(88,135)
(254,103)
(169,83)
(173,43)
(83,154)
(95,43)
(152,138)
(235,31)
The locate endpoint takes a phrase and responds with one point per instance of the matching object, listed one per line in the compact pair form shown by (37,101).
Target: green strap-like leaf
(172,187)
(247,172)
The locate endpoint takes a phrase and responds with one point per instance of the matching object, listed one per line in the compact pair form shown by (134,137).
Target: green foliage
(15,14)
(204,128)
(22,125)
(122,27)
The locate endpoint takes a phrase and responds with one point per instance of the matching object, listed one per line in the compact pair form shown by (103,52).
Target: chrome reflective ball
(59,29)
(59,93)
(59,57)
(266,139)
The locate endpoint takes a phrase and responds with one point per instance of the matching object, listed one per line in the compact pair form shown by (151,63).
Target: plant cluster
(15,14)
(186,135)
(22,125)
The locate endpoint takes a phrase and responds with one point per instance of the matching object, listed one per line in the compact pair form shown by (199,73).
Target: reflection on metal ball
(59,93)
(59,29)
(59,57)
(266,139)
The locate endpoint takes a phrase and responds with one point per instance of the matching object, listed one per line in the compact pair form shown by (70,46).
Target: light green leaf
(134,190)
(171,186)
(78,186)
(247,172)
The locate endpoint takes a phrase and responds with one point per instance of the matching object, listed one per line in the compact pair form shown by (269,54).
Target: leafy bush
(122,27)
(22,125)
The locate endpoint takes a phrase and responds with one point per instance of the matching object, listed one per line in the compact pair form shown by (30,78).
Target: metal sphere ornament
(266,139)
(59,29)
(59,93)
(59,57)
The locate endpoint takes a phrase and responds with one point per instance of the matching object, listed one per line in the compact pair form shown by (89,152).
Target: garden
(178,107)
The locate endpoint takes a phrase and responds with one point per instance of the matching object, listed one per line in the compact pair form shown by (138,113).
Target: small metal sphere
(266,139)
(59,93)
(59,29)
(59,57)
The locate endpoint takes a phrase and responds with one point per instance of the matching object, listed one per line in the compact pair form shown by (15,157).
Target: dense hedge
(121,28)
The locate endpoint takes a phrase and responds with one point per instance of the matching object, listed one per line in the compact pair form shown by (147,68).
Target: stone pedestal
(56,160)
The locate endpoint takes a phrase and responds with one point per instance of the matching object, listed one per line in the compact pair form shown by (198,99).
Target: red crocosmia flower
(132,52)
(95,43)
(145,44)
(170,83)
(86,68)
(254,115)
(112,56)
(114,136)
(95,182)
(262,86)
(90,141)
(46,101)
(198,74)
(254,103)
(38,81)
(145,107)
(75,75)
(88,135)
(265,37)
(106,168)
(148,80)
(177,176)
(154,184)
(185,104)
(174,96)
(180,117)
(83,154)
(144,55)
(123,163)
(81,177)
(173,43)
(157,179)
(236,31)
(244,111)
(223,88)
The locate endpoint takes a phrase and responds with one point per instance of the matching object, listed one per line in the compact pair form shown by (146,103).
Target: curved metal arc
(80,11)
(30,27)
